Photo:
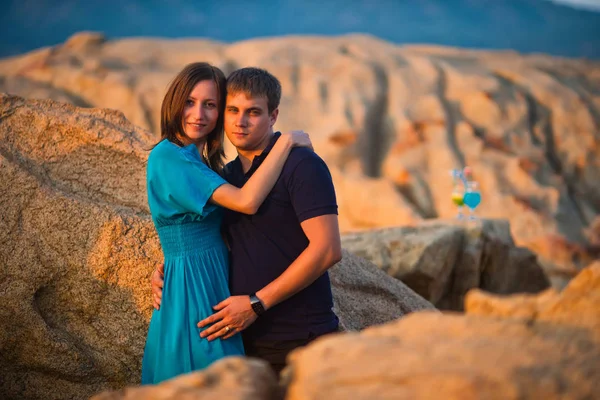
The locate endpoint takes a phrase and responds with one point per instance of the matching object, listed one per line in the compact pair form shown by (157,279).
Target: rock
(365,296)
(576,305)
(442,260)
(232,378)
(356,202)
(77,247)
(84,40)
(593,233)
(527,124)
(496,351)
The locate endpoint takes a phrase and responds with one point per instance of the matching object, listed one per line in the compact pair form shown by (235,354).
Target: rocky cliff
(77,247)
(390,122)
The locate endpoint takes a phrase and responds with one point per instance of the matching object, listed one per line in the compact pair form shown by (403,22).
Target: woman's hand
(298,139)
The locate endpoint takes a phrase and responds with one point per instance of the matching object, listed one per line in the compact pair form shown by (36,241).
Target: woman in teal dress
(185,193)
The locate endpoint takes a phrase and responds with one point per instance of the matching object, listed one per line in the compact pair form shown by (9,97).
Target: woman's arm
(248,199)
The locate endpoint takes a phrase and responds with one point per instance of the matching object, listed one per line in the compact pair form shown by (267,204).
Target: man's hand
(157,285)
(233,315)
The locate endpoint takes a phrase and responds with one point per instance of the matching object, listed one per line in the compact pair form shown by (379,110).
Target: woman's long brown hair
(171,113)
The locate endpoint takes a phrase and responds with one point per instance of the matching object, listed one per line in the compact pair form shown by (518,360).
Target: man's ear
(273,116)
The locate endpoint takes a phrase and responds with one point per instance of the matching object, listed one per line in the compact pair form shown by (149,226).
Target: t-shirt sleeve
(311,189)
(180,183)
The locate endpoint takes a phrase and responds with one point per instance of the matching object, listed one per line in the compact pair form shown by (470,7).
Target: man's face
(248,123)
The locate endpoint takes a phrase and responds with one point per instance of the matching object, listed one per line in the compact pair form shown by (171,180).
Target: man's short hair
(255,82)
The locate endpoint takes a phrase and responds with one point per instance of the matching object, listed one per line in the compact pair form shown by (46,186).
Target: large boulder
(515,347)
(443,260)
(77,247)
(364,296)
(390,121)
(232,378)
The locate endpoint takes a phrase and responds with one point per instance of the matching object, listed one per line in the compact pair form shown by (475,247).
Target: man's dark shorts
(274,352)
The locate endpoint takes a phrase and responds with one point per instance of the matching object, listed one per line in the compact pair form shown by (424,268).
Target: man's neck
(247,156)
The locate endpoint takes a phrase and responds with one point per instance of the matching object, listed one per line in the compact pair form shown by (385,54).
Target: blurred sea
(526,26)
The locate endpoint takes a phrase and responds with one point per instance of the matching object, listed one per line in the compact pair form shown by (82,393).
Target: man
(280,290)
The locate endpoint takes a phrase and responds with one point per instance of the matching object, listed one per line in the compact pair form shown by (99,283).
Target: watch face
(258,308)
(256,304)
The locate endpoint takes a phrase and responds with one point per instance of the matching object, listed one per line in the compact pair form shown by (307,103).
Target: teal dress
(196,271)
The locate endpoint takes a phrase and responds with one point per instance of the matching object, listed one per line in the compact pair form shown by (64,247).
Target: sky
(527,26)
(591,5)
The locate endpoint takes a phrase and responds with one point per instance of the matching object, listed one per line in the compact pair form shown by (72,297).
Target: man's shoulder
(310,184)
(301,159)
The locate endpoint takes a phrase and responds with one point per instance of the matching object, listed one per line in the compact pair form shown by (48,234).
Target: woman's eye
(189,102)
(210,105)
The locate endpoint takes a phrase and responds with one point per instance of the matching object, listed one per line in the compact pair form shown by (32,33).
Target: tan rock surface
(77,248)
(442,260)
(233,378)
(496,351)
(576,305)
(390,121)
(365,296)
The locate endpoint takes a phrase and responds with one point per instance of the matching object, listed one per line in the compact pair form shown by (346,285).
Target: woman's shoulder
(159,151)
(166,150)
(164,156)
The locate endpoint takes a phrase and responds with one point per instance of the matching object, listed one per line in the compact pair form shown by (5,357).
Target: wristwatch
(257,305)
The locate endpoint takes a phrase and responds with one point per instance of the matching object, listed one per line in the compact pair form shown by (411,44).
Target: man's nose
(241,120)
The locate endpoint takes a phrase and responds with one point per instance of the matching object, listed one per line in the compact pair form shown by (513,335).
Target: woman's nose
(201,113)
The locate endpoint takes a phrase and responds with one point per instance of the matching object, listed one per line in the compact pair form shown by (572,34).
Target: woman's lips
(196,126)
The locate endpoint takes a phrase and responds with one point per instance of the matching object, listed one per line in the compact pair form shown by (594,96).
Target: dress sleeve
(180,183)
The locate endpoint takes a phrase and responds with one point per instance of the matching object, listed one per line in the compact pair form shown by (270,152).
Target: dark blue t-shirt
(265,244)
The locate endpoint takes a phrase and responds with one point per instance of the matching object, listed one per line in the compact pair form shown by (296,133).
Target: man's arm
(323,251)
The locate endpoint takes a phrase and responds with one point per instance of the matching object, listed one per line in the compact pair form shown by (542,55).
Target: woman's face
(201,112)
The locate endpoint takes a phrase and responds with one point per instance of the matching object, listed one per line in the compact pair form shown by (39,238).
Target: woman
(184,195)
